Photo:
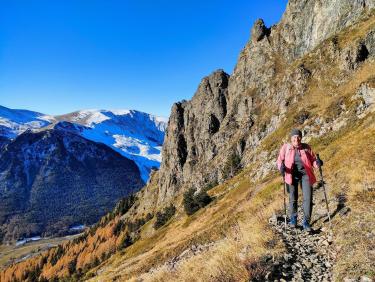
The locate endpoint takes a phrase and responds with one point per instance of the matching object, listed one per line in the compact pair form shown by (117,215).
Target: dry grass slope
(233,231)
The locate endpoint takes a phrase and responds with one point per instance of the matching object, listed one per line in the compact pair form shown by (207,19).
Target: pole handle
(320,168)
(317,156)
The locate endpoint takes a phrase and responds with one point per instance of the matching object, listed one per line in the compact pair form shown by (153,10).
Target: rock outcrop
(259,30)
(231,114)
(192,133)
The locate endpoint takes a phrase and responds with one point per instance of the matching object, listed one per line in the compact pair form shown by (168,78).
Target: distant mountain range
(60,171)
(136,135)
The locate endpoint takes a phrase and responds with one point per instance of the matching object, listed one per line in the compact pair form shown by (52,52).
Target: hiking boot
(293,222)
(306,226)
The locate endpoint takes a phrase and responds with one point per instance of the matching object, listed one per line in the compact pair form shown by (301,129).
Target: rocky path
(309,256)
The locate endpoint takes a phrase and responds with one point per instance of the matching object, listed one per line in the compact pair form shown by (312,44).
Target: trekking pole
(284,200)
(325,194)
(284,206)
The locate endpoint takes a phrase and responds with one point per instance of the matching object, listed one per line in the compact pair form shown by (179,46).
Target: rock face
(259,30)
(192,131)
(54,179)
(307,23)
(231,114)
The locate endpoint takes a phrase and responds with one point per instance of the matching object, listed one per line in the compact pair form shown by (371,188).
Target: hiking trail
(309,256)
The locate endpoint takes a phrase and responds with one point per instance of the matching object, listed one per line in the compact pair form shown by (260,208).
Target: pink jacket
(308,158)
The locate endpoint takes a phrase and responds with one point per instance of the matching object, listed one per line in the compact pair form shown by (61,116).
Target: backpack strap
(288,147)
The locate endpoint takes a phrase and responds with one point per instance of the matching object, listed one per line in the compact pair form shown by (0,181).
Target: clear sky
(63,55)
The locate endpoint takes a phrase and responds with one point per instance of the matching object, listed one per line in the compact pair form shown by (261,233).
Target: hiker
(296,162)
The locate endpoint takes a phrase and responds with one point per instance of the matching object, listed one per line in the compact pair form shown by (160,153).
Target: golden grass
(355,238)
(350,171)
(236,222)
(358,31)
(239,225)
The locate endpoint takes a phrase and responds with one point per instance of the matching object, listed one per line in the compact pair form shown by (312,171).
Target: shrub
(301,117)
(96,262)
(136,225)
(232,165)
(164,216)
(149,216)
(125,242)
(193,202)
(121,208)
(202,199)
(32,274)
(72,266)
(124,205)
(93,229)
(190,205)
(118,227)
(57,255)
(211,185)
(80,238)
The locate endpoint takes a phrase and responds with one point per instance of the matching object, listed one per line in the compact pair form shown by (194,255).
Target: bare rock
(259,30)
(354,55)
(221,121)
(365,279)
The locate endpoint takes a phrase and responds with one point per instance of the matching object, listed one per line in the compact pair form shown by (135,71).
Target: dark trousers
(307,196)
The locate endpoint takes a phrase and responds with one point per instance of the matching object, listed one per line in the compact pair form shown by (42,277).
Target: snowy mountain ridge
(136,135)
(14,122)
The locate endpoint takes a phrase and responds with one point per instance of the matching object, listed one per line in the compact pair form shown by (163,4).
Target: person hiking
(295,162)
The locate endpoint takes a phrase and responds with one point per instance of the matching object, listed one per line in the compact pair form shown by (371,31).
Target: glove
(282,169)
(319,162)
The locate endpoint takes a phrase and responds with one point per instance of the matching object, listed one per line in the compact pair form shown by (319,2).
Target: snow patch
(14,122)
(120,112)
(90,117)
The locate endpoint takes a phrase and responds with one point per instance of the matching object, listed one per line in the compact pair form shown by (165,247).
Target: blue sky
(60,56)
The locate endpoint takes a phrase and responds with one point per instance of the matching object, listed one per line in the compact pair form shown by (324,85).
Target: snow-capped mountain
(14,122)
(136,135)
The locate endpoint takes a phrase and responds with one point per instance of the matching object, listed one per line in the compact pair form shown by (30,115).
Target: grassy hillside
(233,230)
